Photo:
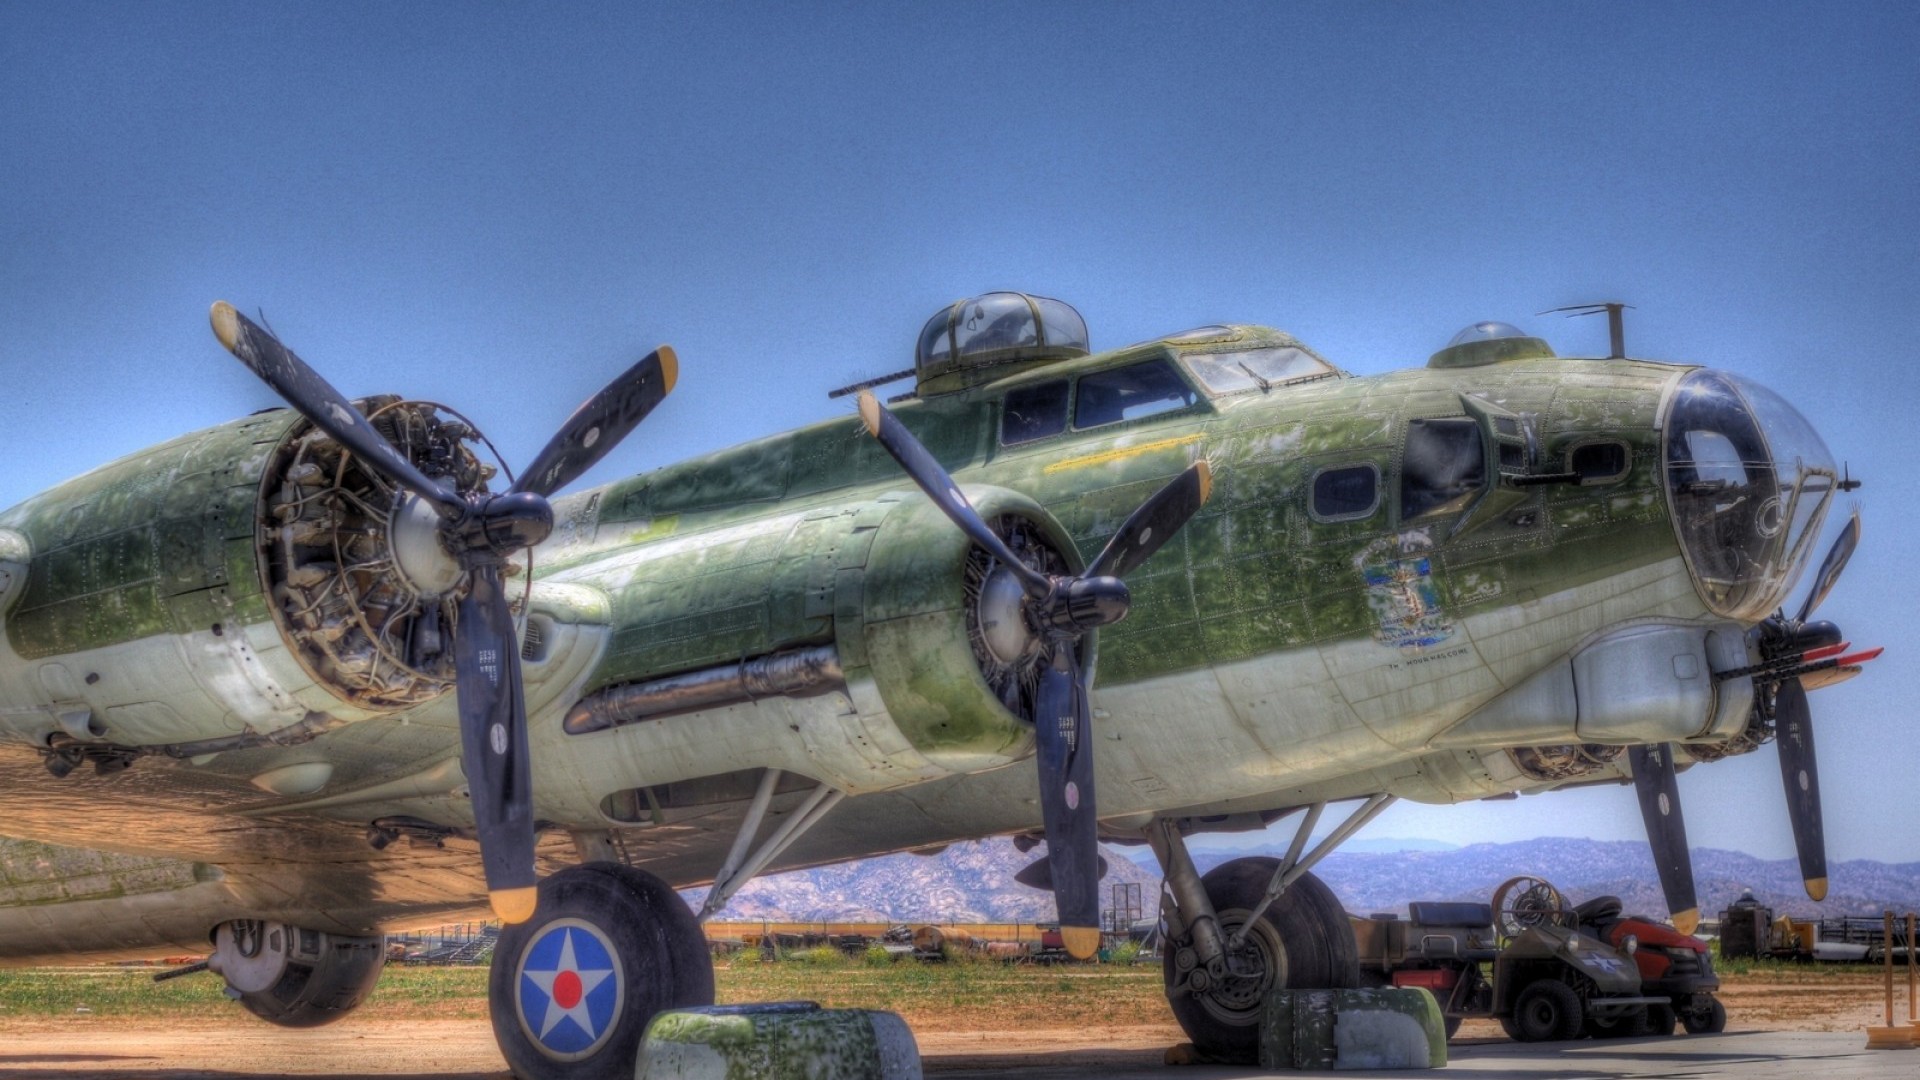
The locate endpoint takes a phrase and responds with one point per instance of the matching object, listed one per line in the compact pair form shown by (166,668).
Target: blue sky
(498,206)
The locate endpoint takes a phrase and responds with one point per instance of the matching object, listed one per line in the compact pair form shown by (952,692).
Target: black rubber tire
(1633,1025)
(312,994)
(1661,1020)
(1548,1010)
(1507,1025)
(1306,927)
(1709,1021)
(663,959)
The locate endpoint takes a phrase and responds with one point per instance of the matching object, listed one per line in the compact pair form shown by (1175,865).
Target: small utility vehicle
(1551,976)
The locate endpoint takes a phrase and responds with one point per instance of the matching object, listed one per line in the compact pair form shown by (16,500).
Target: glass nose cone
(1750,482)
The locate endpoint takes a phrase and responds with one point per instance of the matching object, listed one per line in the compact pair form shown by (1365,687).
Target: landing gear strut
(1259,942)
(573,989)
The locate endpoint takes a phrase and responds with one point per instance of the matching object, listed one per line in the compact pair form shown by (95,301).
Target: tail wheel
(1547,1011)
(1303,941)
(572,989)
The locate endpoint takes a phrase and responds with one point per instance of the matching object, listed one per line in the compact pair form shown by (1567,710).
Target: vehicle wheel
(1547,1011)
(1710,1020)
(1661,1020)
(1628,1025)
(1304,940)
(573,988)
(1507,1025)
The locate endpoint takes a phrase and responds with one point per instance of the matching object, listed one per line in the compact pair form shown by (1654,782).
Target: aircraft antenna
(1616,326)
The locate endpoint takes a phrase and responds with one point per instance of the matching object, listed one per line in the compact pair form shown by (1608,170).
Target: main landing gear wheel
(573,989)
(1303,941)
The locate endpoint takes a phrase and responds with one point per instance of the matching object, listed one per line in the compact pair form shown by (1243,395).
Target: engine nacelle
(292,976)
(940,634)
(233,581)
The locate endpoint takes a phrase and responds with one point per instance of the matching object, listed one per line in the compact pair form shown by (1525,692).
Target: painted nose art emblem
(569,990)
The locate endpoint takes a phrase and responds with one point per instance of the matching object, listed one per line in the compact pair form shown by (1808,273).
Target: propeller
(1061,610)
(1797,639)
(1790,650)
(480,531)
(1658,787)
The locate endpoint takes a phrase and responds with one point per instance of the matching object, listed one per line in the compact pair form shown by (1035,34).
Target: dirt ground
(169,1049)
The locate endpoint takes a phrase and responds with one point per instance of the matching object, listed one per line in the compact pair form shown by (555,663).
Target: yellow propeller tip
(1206,480)
(514,905)
(1816,889)
(1082,942)
(669,366)
(870,412)
(226,325)
(1686,921)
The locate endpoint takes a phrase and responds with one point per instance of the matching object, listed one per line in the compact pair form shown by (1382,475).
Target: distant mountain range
(973,882)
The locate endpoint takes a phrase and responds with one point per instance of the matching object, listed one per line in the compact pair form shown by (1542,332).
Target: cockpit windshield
(1233,372)
(1750,482)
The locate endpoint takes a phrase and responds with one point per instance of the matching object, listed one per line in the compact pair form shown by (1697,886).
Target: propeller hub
(511,522)
(423,561)
(1087,603)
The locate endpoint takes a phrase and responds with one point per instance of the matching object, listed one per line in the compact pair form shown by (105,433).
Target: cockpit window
(1129,393)
(1444,467)
(1233,372)
(1033,412)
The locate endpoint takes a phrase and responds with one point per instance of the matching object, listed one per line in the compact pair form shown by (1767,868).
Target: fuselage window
(1444,466)
(1346,493)
(1129,393)
(1599,463)
(1033,412)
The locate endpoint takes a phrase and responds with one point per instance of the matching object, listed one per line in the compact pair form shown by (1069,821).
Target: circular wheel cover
(569,989)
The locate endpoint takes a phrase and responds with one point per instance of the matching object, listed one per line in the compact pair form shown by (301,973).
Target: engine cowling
(235,581)
(940,633)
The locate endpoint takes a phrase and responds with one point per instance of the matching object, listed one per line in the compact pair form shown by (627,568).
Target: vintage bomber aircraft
(308,654)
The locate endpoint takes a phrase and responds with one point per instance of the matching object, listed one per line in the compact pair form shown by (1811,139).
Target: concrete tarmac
(1753,1055)
(442,1050)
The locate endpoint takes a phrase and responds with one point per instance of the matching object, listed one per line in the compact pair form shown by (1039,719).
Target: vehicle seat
(1431,913)
(1598,910)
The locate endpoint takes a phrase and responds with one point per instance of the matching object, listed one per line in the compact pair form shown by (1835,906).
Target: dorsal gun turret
(993,335)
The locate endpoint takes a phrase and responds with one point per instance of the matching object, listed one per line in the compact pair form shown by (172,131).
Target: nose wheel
(572,989)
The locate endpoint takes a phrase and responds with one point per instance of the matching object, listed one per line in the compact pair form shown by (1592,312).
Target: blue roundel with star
(568,990)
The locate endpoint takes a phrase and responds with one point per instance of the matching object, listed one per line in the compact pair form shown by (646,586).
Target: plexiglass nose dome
(994,335)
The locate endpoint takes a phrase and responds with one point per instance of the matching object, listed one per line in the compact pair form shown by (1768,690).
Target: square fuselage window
(1129,393)
(1346,492)
(1033,412)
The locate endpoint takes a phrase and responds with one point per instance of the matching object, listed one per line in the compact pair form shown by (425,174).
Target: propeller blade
(1063,735)
(928,475)
(1038,874)
(596,427)
(493,742)
(318,401)
(1154,522)
(1793,734)
(1830,567)
(1658,787)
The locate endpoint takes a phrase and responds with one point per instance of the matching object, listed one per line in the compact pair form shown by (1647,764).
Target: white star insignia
(589,980)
